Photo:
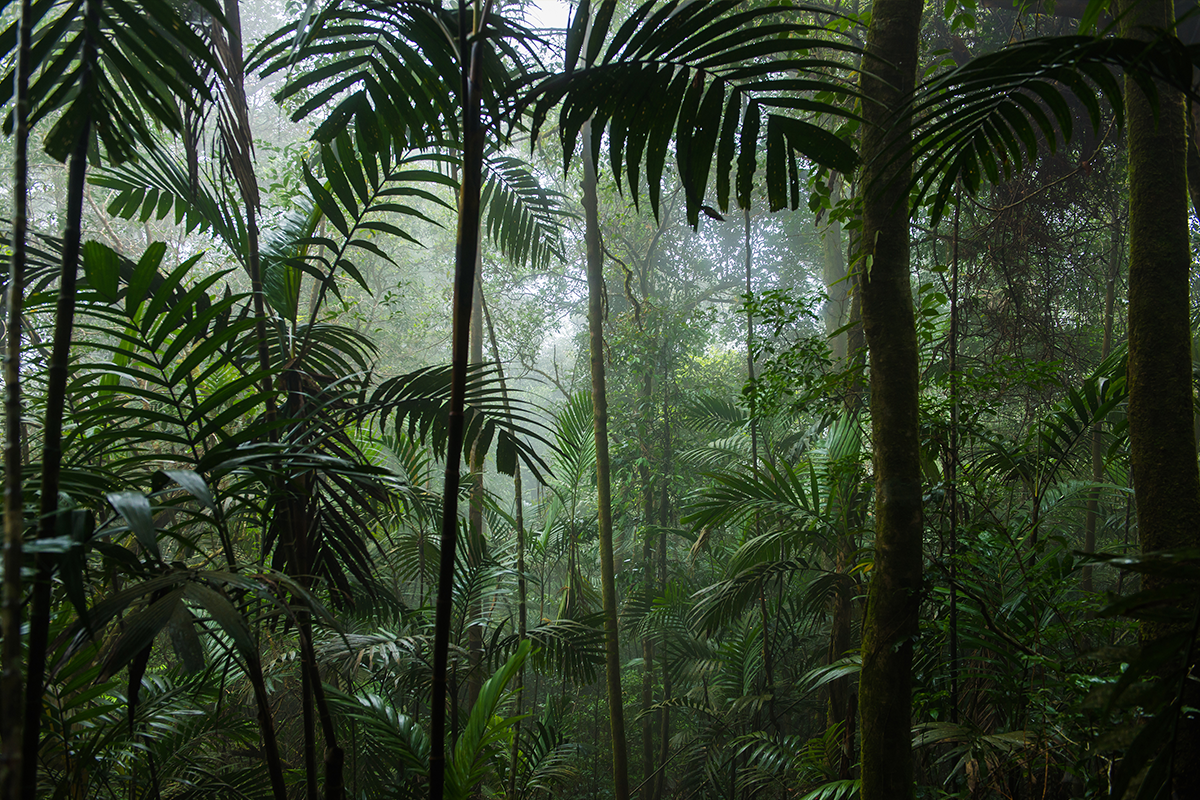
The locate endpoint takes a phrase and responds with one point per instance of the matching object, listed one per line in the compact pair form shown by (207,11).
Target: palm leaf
(989,116)
(704,73)
(150,60)
(523,219)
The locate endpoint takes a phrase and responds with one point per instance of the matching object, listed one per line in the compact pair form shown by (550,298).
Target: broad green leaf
(134,507)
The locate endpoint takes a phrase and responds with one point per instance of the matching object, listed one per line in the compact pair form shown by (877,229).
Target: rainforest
(699,399)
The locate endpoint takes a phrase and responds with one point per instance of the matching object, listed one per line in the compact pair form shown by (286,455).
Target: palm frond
(704,73)
(989,116)
(149,61)
(524,219)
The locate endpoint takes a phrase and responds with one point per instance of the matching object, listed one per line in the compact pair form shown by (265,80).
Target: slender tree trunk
(1093,501)
(1166,481)
(856,353)
(608,589)
(14,507)
(238,139)
(835,314)
(475,512)
(952,465)
(522,600)
(335,757)
(645,437)
(466,254)
(266,726)
(834,275)
(56,390)
(764,617)
(893,605)
(664,520)
(647,583)
(856,342)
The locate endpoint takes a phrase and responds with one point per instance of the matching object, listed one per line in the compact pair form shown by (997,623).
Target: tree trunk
(893,605)
(608,589)
(519,519)
(464,286)
(664,519)
(56,390)
(14,508)
(835,314)
(475,512)
(834,275)
(1166,481)
(647,389)
(1093,501)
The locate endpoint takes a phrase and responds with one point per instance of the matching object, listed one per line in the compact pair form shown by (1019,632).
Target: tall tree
(14,503)
(1166,481)
(893,602)
(608,589)
(465,265)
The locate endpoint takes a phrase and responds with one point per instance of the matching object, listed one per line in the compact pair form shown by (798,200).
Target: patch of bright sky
(551,14)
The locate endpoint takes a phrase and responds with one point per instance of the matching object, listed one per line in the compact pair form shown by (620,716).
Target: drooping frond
(524,219)
(989,116)
(705,73)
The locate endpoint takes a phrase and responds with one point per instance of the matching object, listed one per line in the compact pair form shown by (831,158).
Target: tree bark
(893,604)
(608,589)
(1166,481)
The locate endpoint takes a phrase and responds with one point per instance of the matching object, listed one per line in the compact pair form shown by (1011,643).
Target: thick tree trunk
(608,589)
(893,604)
(1166,481)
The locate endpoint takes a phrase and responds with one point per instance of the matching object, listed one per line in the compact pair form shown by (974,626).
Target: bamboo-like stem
(595,280)
(14,509)
(952,483)
(464,285)
(664,520)
(522,611)
(56,394)
(475,508)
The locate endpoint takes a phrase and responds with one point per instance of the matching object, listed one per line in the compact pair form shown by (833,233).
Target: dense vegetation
(813,413)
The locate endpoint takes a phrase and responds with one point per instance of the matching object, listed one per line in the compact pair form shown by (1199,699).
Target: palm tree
(105,52)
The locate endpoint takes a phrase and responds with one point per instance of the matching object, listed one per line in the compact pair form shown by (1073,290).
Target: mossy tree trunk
(890,626)
(1166,481)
